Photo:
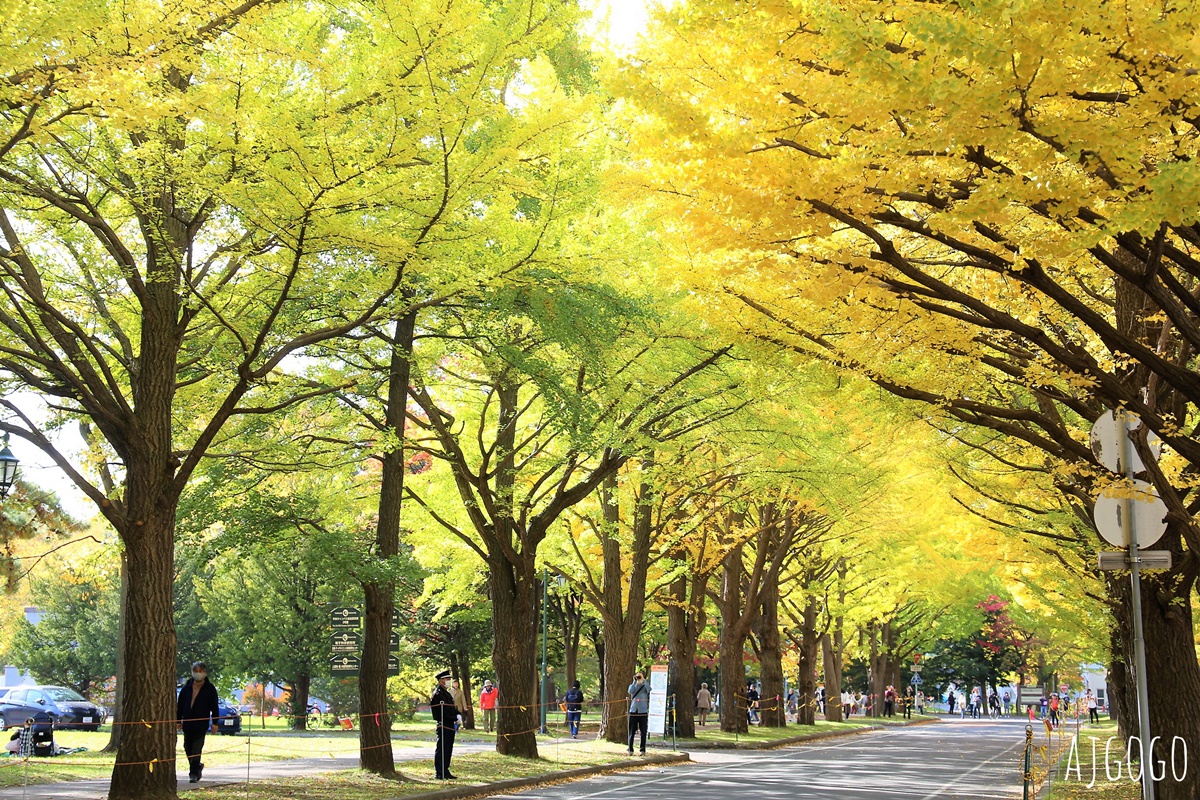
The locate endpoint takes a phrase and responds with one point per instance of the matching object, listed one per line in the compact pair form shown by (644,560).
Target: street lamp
(543,697)
(8,468)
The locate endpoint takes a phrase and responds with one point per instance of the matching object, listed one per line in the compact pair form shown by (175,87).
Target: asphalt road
(954,760)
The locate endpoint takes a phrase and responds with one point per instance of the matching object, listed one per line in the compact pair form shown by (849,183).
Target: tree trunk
(114,738)
(685,620)
(568,611)
(733,682)
(773,708)
(150,678)
(300,689)
(808,646)
(596,636)
(375,730)
(623,602)
(832,657)
(515,598)
(877,678)
(1172,670)
(620,663)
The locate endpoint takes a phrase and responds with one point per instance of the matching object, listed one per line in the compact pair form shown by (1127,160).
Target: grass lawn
(417,777)
(270,745)
(1075,786)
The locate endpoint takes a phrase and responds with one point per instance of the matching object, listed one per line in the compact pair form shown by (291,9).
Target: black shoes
(194,777)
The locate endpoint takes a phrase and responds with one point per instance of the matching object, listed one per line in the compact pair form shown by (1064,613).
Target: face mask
(199,676)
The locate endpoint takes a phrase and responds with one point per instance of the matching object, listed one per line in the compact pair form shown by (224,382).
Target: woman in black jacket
(198,710)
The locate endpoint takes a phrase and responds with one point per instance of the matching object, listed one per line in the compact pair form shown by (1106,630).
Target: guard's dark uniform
(445,712)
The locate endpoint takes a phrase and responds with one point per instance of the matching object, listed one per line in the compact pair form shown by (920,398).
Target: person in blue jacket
(574,700)
(197,711)
(639,710)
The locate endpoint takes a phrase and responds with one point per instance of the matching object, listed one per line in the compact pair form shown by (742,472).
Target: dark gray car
(67,707)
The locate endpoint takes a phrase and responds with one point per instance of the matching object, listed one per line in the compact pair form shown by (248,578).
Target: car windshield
(60,694)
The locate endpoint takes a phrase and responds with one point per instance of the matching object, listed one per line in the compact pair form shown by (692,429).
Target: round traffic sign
(1145,507)
(1106,442)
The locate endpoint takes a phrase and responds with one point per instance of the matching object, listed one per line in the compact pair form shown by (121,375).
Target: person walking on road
(703,703)
(445,715)
(487,704)
(574,702)
(197,712)
(639,710)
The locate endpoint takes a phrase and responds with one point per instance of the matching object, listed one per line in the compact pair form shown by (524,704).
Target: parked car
(67,707)
(231,719)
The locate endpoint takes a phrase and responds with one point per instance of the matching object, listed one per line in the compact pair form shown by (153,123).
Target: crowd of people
(448,703)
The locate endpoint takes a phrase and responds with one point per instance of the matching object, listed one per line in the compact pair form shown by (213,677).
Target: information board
(657,724)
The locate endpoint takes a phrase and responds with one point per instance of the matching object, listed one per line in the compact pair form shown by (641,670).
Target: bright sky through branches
(618,22)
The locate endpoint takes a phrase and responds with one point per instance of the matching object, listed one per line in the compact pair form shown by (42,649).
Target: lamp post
(8,468)
(542,705)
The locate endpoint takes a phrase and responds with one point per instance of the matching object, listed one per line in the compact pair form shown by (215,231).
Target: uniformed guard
(445,714)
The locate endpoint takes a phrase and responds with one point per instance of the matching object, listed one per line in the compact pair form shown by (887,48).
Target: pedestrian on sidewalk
(751,703)
(487,703)
(951,699)
(889,701)
(1092,705)
(639,710)
(909,701)
(445,715)
(197,711)
(703,703)
(574,700)
(460,702)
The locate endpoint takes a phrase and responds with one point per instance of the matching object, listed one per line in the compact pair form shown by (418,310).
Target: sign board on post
(657,723)
(393,666)
(344,666)
(393,642)
(1145,507)
(345,617)
(345,642)
(917,667)
(1147,559)
(1107,446)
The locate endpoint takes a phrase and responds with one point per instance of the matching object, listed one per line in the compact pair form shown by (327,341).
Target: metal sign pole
(1139,643)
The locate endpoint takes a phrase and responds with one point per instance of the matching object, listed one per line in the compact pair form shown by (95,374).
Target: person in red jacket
(487,701)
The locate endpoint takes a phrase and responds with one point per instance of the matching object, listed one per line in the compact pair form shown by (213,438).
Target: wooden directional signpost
(1131,516)
(345,617)
(345,644)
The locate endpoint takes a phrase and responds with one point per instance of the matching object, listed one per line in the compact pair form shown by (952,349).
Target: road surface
(953,760)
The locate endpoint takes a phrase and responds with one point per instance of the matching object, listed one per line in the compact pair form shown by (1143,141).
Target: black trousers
(1093,716)
(444,750)
(638,722)
(193,744)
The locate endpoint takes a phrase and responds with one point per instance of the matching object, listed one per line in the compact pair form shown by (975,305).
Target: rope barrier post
(1027,773)
(247,762)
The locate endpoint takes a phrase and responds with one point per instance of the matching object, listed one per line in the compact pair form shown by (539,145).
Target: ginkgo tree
(185,210)
(986,194)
